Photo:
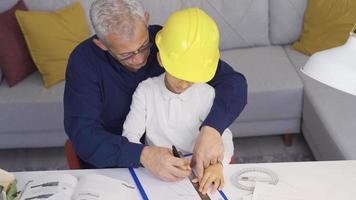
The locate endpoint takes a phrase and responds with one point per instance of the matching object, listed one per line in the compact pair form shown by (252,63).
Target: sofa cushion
(15,60)
(297,58)
(159,10)
(29,107)
(7,4)
(48,5)
(327,24)
(52,5)
(286,20)
(51,37)
(31,115)
(234,21)
(242,23)
(274,87)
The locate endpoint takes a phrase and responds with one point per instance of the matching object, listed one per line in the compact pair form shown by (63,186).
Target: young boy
(171,108)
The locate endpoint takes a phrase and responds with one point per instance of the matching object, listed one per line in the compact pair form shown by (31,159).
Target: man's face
(133,51)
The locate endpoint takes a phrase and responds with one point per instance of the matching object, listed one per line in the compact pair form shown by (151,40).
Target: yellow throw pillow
(327,24)
(51,37)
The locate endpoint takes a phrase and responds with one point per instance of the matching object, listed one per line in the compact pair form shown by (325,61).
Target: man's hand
(208,150)
(162,164)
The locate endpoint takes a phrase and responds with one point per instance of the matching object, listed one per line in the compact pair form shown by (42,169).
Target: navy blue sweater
(98,94)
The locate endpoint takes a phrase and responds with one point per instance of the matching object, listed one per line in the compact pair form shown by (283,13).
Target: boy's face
(176,85)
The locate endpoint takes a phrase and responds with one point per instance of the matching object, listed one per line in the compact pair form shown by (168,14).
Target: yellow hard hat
(189,45)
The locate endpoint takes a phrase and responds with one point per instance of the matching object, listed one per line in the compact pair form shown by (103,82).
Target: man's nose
(138,58)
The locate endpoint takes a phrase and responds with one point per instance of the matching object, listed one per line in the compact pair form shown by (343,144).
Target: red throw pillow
(15,60)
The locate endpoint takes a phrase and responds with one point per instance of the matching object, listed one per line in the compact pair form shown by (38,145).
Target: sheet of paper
(51,186)
(157,189)
(265,191)
(99,187)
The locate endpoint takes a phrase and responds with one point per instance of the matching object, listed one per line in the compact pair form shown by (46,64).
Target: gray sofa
(329,117)
(255,40)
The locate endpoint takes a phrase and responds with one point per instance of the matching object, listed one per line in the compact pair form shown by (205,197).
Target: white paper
(89,187)
(265,191)
(63,189)
(98,187)
(157,189)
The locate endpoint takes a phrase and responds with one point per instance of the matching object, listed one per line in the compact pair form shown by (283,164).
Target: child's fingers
(207,184)
(222,183)
(203,181)
(216,183)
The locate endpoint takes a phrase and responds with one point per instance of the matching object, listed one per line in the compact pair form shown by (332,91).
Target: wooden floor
(247,150)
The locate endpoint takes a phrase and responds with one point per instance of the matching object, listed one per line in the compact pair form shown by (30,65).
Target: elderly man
(102,74)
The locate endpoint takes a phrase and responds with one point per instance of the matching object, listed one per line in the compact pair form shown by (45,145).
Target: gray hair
(115,16)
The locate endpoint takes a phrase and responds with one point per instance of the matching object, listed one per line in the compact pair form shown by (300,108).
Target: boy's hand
(213,174)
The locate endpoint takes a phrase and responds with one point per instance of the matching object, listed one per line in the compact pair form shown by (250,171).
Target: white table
(330,180)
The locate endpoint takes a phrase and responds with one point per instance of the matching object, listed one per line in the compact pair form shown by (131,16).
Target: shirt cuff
(217,120)
(132,154)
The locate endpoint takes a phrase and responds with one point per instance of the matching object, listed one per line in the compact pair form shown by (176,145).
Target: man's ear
(159,59)
(100,44)
(147,17)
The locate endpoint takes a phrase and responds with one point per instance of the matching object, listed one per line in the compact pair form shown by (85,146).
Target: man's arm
(230,97)
(82,120)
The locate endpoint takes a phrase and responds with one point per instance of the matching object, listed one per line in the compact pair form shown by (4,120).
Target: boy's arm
(135,123)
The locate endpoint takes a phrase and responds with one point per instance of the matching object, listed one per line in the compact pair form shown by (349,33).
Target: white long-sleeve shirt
(171,119)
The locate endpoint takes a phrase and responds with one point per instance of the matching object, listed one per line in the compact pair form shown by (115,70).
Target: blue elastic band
(223,194)
(138,184)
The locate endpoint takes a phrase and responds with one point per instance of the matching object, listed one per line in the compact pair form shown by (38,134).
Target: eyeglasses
(129,55)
